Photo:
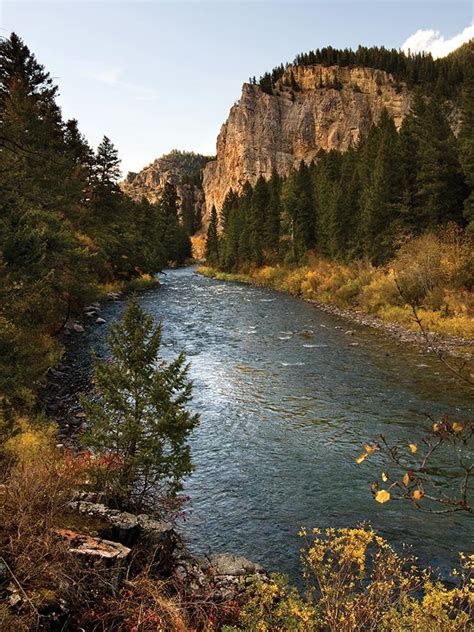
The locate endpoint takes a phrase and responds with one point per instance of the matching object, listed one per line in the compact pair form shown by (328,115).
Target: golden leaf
(457,427)
(418,494)
(413,447)
(435,427)
(362,458)
(384,477)
(382,496)
(370,449)
(406,479)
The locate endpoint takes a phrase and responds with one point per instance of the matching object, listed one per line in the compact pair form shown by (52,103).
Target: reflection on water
(286,401)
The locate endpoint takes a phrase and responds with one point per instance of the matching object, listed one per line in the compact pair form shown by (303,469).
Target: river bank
(427,341)
(281,388)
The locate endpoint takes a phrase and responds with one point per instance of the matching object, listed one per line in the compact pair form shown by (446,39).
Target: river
(287,400)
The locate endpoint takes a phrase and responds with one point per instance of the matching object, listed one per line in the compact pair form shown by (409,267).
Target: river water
(287,401)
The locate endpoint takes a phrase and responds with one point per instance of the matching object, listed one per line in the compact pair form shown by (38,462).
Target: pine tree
(466,141)
(140,417)
(176,242)
(212,241)
(272,220)
(440,189)
(381,197)
(107,166)
(257,219)
(304,220)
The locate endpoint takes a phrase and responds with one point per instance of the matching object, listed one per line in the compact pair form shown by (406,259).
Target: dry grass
(434,271)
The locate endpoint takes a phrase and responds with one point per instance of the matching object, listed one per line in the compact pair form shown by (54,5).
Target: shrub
(356,581)
(40,484)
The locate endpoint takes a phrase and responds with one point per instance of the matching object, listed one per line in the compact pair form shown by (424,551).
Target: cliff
(311,108)
(181,168)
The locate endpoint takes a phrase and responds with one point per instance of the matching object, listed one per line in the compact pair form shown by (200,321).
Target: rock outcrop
(181,168)
(311,108)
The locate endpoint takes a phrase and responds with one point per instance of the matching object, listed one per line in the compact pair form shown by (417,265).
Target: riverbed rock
(78,328)
(82,544)
(227,564)
(100,321)
(127,528)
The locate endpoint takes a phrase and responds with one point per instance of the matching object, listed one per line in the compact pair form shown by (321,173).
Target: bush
(38,487)
(356,581)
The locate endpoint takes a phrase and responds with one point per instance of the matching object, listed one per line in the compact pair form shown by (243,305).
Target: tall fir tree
(140,417)
(212,240)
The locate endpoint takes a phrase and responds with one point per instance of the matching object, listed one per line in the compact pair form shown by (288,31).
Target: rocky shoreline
(59,398)
(430,342)
(120,540)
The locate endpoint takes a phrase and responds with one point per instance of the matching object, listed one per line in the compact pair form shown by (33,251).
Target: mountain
(310,107)
(181,168)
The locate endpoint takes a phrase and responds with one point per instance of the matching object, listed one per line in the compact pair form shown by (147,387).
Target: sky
(155,75)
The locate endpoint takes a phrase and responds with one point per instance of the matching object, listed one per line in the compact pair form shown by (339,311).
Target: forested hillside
(361,206)
(443,75)
(66,228)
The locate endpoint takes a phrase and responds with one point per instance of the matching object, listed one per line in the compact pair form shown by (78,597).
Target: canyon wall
(311,108)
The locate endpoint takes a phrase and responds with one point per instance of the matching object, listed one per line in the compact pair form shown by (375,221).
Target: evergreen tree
(107,166)
(212,241)
(176,242)
(304,217)
(257,219)
(244,226)
(440,188)
(466,141)
(381,196)
(140,417)
(272,219)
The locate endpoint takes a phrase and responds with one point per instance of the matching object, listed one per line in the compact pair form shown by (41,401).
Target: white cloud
(112,77)
(433,42)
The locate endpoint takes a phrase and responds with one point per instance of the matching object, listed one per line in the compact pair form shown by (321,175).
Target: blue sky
(158,75)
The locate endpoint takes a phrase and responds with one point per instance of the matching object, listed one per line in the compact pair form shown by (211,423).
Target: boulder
(127,528)
(95,548)
(227,564)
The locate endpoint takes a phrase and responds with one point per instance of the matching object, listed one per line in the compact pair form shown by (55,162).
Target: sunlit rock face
(183,169)
(312,108)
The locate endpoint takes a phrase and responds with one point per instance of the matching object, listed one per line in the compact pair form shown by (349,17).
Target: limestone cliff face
(183,169)
(312,108)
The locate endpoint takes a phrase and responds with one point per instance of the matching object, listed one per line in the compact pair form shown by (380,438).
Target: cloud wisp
(112,77)
(433,42)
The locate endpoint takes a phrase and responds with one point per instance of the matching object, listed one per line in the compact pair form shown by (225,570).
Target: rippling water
(286,401)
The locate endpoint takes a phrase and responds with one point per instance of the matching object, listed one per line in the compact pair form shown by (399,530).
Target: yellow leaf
(406,479)
(435,427)
(384,477)
(457,427)
(362,458)
(382,496)
(413,447)
(370,449)
(418,494)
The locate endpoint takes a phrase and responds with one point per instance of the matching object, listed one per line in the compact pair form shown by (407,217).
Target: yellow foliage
(30,440)
(382,496)
(433,270)
(356,581)
(413,448)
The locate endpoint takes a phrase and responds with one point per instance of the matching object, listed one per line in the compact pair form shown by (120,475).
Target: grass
(433,272)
